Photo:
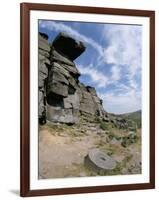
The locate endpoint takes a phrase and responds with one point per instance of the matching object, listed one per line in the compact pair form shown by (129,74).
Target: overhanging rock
(68,46)
(66,98)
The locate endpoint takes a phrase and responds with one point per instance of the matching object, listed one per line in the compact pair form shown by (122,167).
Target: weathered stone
(57,67)
(96,99)
(71,90)
(43,59)
(44,45)
(43,35)
(72,101)
(56,76)
(43,69)
(43,74)
(68,46)
(99,161)
(44,53)
(73,82)
(57,88)
(87,107)
(43,64)
(82,87)
(74,71)
(67,103)
(41,80)
(78,90)
(87,96)
(41,108)
(55,56)
(56,114)
(91,90)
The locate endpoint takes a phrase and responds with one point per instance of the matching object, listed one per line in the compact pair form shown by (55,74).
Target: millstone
(99,161)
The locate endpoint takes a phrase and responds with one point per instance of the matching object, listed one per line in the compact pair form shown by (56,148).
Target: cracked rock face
(66,98)
(43,65)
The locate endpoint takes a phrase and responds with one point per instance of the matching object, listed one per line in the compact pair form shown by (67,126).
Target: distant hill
(135,116)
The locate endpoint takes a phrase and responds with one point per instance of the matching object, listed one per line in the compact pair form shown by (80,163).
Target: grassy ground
(62,149)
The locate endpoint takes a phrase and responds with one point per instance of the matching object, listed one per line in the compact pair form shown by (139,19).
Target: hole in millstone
(102,158)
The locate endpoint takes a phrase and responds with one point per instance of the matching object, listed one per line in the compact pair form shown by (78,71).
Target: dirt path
(62,149)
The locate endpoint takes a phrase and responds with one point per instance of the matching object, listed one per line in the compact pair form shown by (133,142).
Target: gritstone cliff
(62,97)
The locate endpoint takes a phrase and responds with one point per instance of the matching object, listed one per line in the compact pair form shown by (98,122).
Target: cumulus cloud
(58,26)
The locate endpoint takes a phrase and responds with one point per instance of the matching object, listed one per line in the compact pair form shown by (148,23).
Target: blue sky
(111,62)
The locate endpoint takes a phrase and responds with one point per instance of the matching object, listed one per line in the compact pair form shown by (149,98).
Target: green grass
(134,117)
(105,126)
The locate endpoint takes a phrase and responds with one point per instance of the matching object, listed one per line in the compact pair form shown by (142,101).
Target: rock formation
(62,98)
(43,66)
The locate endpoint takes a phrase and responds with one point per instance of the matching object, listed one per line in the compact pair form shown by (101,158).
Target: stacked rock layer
(62,97)
(43,66)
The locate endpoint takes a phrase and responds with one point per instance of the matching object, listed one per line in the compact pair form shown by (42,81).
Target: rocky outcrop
(43,65)
(62,98)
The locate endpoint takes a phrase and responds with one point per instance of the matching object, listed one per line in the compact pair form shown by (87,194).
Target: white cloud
(99,78)
(123,52)
(124,48)
(116,75)
(129,101)
(58,26)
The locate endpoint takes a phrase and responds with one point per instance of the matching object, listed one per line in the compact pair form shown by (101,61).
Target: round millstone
(99,161)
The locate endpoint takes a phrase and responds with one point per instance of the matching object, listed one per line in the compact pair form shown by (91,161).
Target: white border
(86,181)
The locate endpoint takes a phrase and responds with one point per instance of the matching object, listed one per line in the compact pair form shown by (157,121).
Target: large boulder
(68,46)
